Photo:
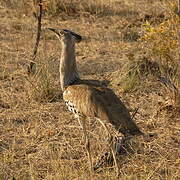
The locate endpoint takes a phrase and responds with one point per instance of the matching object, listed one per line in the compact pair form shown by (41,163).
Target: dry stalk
(32,66)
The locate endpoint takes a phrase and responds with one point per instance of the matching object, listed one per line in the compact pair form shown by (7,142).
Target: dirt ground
(39,137)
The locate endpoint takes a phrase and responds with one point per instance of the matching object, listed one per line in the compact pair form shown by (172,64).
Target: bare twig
(32,66)
(135,112)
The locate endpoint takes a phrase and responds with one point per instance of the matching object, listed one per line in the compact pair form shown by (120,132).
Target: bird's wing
(101,103)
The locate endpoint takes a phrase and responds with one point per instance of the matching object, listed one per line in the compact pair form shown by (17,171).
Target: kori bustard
(86,100)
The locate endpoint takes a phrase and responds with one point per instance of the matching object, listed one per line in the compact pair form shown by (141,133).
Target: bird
(87,99)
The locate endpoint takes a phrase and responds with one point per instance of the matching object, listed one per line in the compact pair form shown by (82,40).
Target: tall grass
(80,7)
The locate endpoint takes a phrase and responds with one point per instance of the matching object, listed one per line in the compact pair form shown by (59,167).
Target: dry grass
(39,138)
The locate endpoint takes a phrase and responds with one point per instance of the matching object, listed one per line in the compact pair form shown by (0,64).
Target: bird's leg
(112,146)
(79,121)
(86,139)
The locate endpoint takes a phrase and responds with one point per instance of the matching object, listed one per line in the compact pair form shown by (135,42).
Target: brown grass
(39,138)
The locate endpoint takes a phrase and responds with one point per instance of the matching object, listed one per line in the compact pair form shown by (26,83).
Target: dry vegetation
(133,44)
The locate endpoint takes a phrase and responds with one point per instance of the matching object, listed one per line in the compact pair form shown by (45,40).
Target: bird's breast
(71,105)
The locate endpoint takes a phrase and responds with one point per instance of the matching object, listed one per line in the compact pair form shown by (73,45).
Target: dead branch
(32,66)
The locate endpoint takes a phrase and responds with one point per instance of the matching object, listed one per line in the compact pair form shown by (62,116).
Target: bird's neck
(68,68)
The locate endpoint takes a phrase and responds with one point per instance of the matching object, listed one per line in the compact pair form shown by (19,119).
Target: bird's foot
(107,160)
(121,145)
(104,161)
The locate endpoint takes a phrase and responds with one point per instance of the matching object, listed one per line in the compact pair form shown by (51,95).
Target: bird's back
(102,103)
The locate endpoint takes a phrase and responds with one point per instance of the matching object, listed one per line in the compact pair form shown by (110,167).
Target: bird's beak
(54,30)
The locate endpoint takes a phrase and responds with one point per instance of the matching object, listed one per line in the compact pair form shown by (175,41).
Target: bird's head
(65,35)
